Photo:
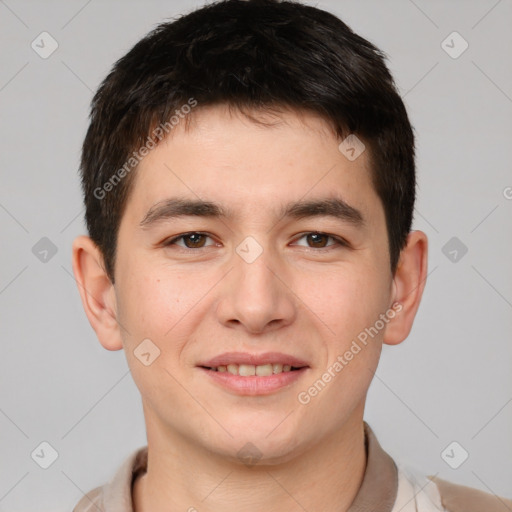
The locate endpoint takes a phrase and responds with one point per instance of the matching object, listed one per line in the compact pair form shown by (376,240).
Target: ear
(408,285)
(97,292)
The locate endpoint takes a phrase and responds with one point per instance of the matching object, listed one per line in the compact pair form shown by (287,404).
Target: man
(249,184)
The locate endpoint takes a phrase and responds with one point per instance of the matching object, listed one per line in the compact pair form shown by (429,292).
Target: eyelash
(338,242)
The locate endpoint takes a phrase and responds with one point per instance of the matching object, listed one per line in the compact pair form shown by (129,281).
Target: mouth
(250,370)
(254,374)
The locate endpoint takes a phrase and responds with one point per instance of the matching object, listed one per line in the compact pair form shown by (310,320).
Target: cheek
(161,309)
(346,302)
(154,304)
(349,304)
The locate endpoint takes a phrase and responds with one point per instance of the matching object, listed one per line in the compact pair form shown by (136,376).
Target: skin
(296,297)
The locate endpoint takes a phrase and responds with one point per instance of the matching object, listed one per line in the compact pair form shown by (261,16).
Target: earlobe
(407,287)
(97,292)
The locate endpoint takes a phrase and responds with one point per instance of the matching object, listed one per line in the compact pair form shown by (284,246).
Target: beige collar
(380,481)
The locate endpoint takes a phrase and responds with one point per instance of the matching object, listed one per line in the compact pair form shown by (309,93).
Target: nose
(256,296)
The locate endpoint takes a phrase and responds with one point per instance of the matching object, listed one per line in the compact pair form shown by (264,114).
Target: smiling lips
(254,374)
(246,364)
(248,370)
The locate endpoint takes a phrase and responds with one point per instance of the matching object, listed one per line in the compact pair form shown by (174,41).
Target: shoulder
(459,498)
(91,502)
(117,493)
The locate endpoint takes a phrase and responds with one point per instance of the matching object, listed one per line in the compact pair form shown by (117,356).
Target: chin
(260,452)
(261,439)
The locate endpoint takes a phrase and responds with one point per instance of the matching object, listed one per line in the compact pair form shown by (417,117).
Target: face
(245,250)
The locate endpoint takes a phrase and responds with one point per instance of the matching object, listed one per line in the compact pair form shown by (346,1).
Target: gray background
(450,381)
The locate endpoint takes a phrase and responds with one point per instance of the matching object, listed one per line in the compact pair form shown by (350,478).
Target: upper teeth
(246,370)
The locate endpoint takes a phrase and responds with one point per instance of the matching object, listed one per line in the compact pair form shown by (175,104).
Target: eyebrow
(177,207)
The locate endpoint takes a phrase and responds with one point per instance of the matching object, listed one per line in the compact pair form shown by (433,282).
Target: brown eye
(194,240)
(191,240)
(318,240)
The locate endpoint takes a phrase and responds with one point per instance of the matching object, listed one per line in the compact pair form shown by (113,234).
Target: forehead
(252,165)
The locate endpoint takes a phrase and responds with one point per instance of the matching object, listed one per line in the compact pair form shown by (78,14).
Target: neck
(325,477)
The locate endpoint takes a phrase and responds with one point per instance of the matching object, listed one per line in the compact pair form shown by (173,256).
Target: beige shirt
(386,487)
